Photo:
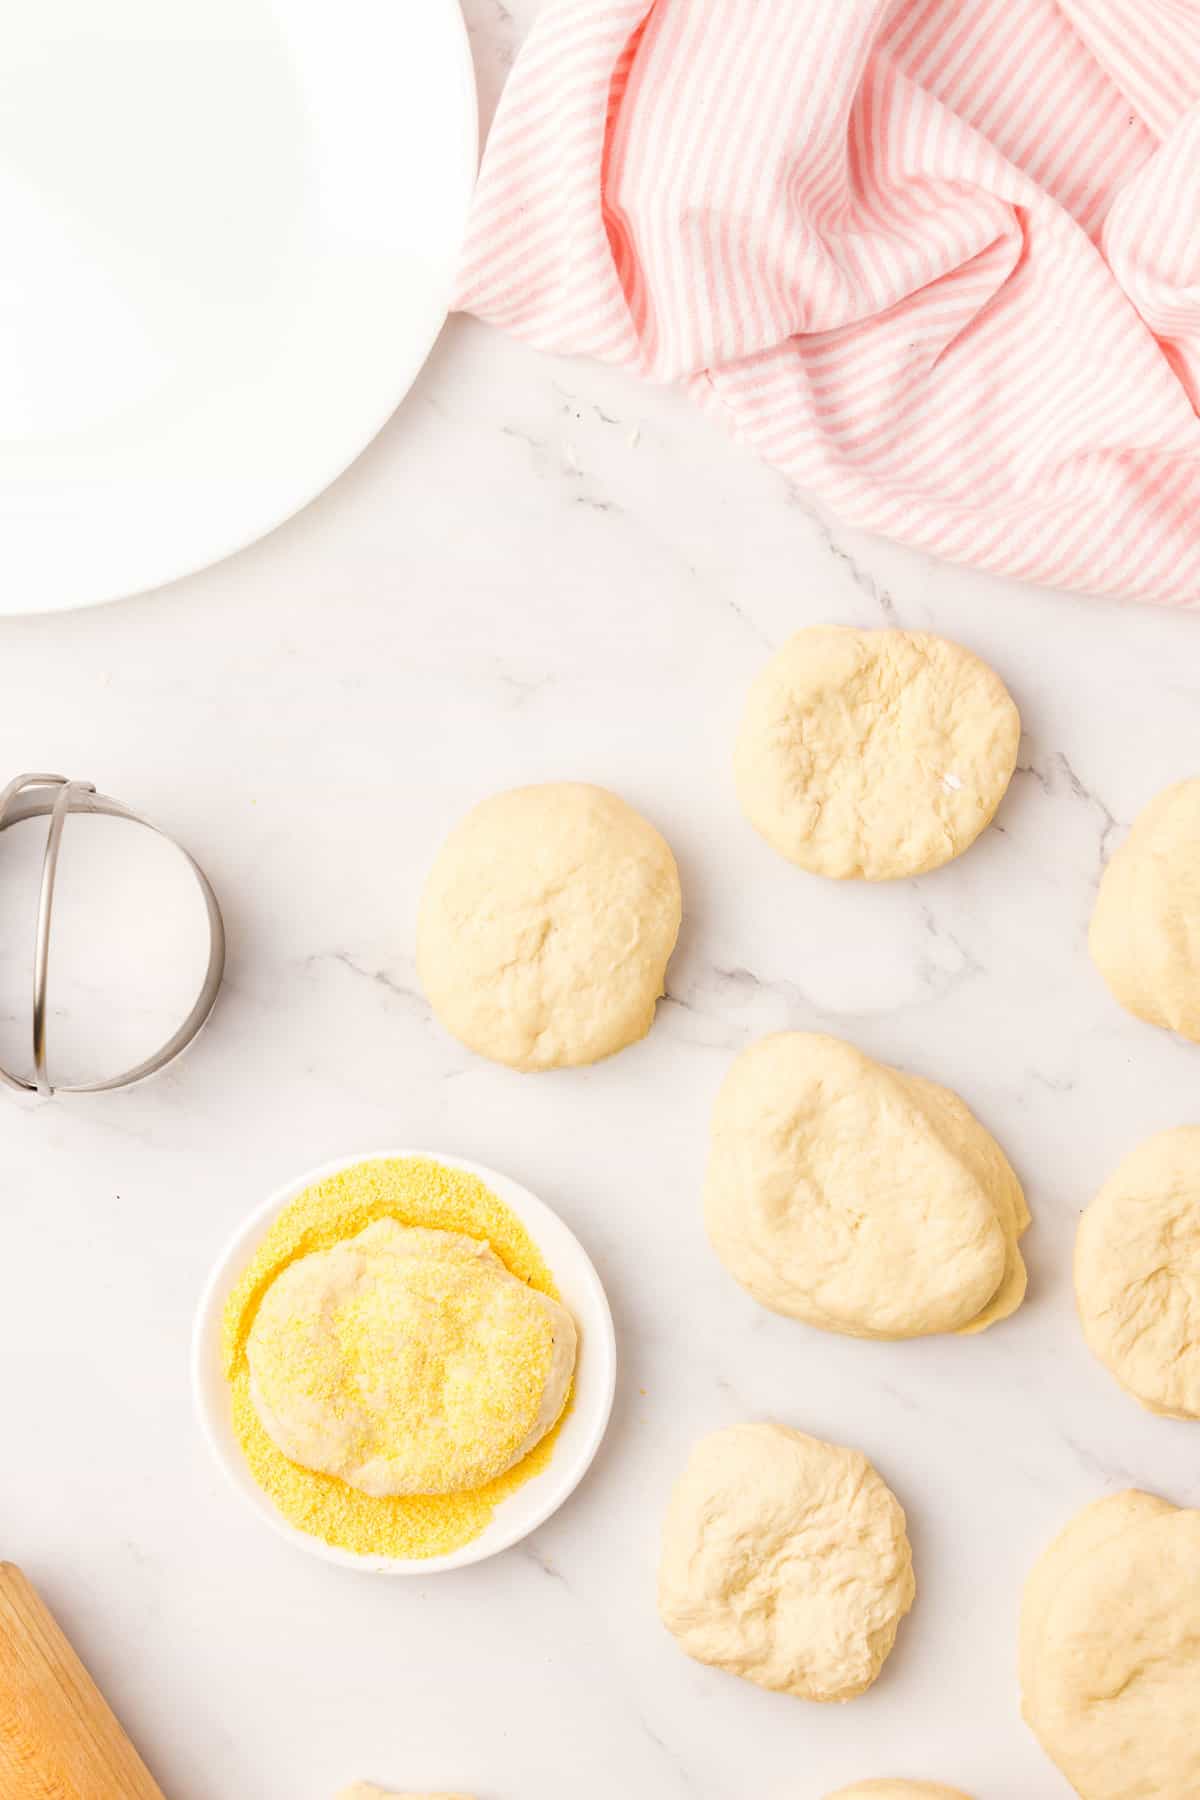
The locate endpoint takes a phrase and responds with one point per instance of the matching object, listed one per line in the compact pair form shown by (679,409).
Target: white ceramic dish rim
(346,447)
(579,1439)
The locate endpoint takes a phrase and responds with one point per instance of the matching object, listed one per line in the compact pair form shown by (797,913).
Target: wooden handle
(58,1739)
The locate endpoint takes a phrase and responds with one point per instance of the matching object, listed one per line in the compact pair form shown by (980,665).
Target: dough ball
(1137,1273)
(899,1790)
(1110,1650)
(407,1361)
(1145,933)
(366,1790)
(1088,1534)
(874,754)
(786,1561)
(546,926)
(858,1199)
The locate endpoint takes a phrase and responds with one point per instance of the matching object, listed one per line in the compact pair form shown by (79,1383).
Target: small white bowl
(577,1442)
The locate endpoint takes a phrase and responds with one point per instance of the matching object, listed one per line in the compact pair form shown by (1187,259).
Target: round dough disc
(408,1361)
(367,1790)
(1145,931)
(1137,1273)
(899,1790)
(1111,1652)
(874,754)
(1088,1534)
(859,1199)
(786,1561)
(546,926)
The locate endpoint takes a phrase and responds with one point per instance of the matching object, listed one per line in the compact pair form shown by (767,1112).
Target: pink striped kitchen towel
(939,260)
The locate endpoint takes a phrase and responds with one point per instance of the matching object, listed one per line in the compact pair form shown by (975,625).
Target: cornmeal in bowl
(398,1357)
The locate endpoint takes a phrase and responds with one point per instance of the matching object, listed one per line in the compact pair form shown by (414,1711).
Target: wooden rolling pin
(58,1739)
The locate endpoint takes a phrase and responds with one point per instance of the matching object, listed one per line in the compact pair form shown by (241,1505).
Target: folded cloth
(939,260)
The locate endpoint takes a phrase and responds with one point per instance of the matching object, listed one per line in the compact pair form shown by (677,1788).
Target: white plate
(578,1440)
(228,230)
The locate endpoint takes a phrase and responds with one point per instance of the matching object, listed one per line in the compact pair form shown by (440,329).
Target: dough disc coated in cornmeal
(546,926)
(1110,1650)
(899,1790)
(860,1199)
(1145,932)
(874,754)
(1137,1273)
(786,1561)
(408,1361)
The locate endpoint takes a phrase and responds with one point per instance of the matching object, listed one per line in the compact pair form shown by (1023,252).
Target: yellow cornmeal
(406,1361)
(413,1192)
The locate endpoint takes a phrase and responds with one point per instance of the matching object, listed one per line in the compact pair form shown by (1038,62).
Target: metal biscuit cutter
(54,797)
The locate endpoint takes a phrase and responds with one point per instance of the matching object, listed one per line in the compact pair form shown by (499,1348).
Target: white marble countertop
(543,570)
